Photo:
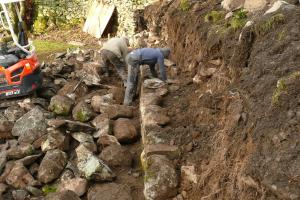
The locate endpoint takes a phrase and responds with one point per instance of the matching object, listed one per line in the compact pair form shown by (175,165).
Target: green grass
(269,24)
(47,189)
(46,46)
(214,16)
(184,5)
(239,19)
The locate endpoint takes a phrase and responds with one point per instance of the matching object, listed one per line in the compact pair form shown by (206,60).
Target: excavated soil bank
(237,124)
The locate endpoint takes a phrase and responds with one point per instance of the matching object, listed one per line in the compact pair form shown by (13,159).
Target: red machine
(19,67)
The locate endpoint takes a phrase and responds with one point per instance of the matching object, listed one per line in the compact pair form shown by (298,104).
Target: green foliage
(282,86)
(214,16)
(184,5)
(239,19)
(265,26)
(47,189)
(40,25)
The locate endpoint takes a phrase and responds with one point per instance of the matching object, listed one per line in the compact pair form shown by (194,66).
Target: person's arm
(162,70)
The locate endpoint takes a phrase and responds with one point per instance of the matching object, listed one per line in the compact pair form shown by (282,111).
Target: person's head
(165,52)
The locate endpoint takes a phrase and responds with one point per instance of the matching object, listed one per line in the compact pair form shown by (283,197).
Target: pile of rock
(69,139)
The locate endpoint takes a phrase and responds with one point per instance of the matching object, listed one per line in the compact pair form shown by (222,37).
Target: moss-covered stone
(61,105)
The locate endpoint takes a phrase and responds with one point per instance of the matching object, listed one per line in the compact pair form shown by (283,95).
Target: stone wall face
(62,13)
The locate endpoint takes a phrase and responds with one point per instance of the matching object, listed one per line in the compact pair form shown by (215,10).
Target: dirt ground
(239,126)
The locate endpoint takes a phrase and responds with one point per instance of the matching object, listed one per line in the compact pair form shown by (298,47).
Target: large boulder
(77,185)
(61,105)
(161,180)
(92,167)
(125,131)
(116,156)
(232,4)
(30,127)
(255,5)
(52,165)
(97,101)
(89,73)
(20,151)
(63,195)
(109,191)
(55,140)
(5,129)
(19,177)
(83,112)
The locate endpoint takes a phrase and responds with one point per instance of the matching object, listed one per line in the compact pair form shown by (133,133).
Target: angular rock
(116,156)
(109,191)
(20,151)
(171,151)
(38,143)
(64,195)
(160,181)
(118,94)
(89,74)
(125,131)
(117,111)
(34,191)
(150,99)
(153,83)
(73,87)
(188,174)
(30,127)
(28,160)
(154,115)
(92,167)
(83,137)
(61,105)
(72,126)
(55,140)
(232,4)
(52,165)
(98,101)
(77,185)
(5,129)
(3,188)
(107,140)
(82,112)
(20,194)
(19,177)
(280,5)
(102,123)
(255,5)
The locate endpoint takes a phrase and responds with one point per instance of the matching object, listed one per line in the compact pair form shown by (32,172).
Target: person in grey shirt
(144,56)
(114,51)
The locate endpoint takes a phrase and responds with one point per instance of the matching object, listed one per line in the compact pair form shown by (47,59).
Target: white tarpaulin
(98,17)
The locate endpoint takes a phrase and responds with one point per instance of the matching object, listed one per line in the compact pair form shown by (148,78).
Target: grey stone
(116,156)
(30,127)
(61,105)
(92,167)
(52,165)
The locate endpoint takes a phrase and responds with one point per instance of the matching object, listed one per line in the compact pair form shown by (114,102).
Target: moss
(184,5)
(214,16)
(239,19)
(47,189)
(282,35)
(83,116)
(282,86)
(269,24)
(40,25)
(60,109)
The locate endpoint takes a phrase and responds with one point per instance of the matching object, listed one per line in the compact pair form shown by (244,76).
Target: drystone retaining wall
(157,158)
(62,13)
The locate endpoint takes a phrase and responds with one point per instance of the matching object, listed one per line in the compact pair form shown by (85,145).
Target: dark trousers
(109,57)
(132,79)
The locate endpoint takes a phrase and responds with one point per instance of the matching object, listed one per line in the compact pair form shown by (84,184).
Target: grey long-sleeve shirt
(118,46)
(150,56)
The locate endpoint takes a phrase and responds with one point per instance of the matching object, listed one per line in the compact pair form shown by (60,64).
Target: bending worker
(144,56)
(114,51)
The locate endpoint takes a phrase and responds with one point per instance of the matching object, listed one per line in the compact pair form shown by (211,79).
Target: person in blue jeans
(144,56)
